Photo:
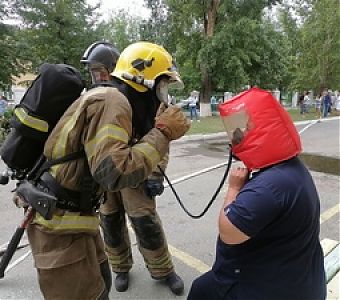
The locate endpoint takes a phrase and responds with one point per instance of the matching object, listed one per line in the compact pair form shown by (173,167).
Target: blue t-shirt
(327,100)
(279,209)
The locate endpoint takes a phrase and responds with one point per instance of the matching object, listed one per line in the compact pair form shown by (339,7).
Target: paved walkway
(213,136)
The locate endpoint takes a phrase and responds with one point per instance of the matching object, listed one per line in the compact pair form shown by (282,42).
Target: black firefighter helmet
(101,54)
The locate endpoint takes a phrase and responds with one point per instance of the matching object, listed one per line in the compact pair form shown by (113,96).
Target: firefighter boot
(175,283)
(122,281)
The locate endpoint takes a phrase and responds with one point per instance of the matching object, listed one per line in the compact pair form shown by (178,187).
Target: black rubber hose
(213,197)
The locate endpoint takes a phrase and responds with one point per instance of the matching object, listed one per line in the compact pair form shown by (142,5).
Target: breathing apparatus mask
(161,85)
(237,125)
(98,73)
(261,132)
(162,90)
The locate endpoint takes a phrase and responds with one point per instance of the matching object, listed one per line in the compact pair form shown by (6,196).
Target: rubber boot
(122,281)
(175,283)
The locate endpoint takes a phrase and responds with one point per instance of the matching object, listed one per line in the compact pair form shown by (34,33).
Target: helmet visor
(237,126)
(162,90)
(175,80)
(98,73)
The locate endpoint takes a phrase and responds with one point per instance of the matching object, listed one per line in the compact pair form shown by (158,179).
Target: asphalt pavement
(196,166)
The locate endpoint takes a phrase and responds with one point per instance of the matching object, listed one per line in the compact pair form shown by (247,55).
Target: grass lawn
(214,124)
(207,125)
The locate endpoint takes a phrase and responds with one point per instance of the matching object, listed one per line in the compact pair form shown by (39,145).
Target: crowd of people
(324,103)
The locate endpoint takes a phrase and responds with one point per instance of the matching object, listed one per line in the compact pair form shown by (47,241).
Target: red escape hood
(268,133)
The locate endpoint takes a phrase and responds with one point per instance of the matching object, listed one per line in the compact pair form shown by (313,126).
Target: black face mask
(144,108)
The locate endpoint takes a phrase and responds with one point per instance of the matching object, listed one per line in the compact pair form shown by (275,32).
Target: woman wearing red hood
(268,245)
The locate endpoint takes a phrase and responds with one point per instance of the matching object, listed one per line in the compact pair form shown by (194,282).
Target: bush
(5,126)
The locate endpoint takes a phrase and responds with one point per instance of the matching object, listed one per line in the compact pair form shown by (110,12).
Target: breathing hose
(219,187)
(213,197)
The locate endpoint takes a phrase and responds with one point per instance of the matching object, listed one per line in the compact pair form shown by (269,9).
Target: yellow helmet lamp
(141,63)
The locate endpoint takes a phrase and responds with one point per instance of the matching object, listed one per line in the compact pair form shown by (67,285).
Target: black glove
(153,187)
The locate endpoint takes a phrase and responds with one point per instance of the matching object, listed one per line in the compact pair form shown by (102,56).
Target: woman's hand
(238,178)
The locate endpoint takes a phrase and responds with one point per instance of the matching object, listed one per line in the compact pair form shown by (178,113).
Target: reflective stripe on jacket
(69,222)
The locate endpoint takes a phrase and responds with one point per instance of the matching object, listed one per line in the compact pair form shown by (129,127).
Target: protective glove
(19,201)
(172,123)
(153,187)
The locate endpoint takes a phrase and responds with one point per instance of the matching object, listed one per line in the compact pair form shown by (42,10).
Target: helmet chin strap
(140,80)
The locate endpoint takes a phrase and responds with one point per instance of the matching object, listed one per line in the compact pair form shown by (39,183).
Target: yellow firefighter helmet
(141,63)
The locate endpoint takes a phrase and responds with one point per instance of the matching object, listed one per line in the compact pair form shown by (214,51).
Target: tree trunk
(205,95)
(206,90)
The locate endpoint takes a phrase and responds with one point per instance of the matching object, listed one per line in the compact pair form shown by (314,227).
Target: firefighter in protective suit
(67,248)
(138,203)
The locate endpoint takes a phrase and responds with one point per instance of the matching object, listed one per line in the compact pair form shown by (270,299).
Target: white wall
(227,96)
(18,93)
(276,94)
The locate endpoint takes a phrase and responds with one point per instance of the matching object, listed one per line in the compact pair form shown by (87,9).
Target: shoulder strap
(49,163)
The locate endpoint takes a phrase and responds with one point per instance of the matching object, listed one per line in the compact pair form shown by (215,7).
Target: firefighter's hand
(153,187)
(19,201)
(172,123)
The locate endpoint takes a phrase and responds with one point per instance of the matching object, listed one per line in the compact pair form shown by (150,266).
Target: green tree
(288,23)
(121,29)
(55,31)
(227,44)
(319,56)
(8,51)
(155,29)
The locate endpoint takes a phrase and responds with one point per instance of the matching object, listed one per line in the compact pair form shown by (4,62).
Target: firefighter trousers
(144,220)
(70,265)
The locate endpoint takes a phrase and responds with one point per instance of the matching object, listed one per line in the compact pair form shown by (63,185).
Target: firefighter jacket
(100,122)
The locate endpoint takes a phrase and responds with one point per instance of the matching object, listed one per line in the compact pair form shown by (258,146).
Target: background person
(192,100)
(318,101)
(306,102)
(3,105)
(326,103)
(268,245)
(337,106)
(333,100)
(301,103)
